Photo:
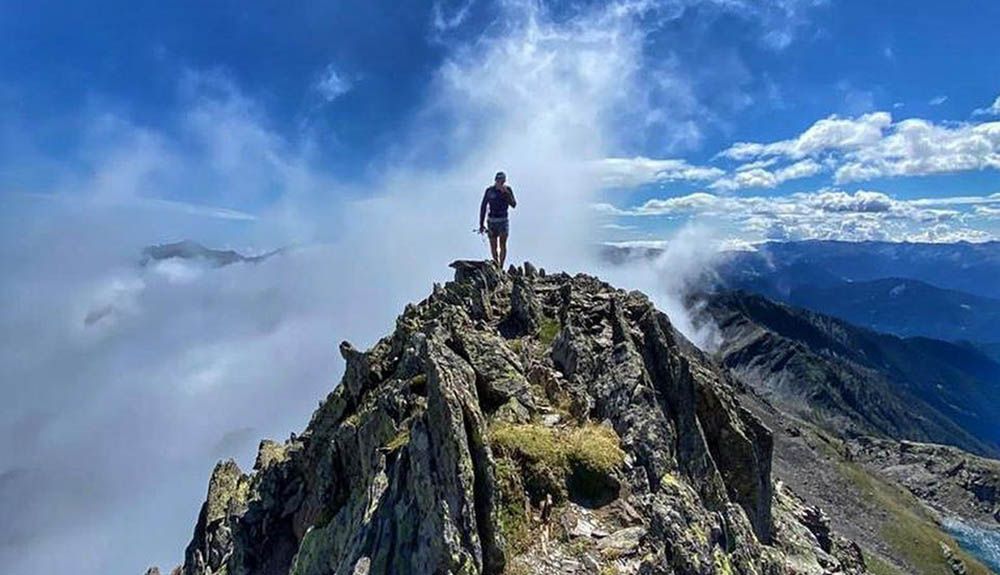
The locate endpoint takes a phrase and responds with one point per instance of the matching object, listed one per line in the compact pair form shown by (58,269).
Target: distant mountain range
(942,291)
(777,268)
(845,405)
(856,380)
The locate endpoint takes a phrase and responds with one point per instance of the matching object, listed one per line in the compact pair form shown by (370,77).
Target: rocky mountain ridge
(519,422)
(857,381)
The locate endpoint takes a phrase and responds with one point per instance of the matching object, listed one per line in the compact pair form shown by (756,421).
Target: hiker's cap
(500,176)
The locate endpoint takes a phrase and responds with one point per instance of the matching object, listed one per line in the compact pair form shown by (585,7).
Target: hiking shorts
(498,227)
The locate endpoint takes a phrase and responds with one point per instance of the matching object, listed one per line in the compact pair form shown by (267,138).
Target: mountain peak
(518,422)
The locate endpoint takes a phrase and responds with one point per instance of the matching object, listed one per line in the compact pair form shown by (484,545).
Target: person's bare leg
(493,249)
(503,250)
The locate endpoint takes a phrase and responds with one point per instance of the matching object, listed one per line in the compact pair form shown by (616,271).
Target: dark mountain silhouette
(191,250)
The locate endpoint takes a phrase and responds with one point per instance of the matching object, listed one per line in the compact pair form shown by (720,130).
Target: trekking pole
(481,235)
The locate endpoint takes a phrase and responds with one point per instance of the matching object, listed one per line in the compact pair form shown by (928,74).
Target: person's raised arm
(482,214)
(511,201)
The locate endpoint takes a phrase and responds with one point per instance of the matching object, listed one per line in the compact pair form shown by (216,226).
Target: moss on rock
(396,443)
(579,463)
(548,329)
(513,519)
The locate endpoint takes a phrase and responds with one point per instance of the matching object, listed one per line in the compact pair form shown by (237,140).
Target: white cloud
(698,201)
(827,214)
(958,200)
(944,234)
(332,84)
(752,176)
(618,227)
(991,110)
(829,134)
(860,201)
(781,20)
(872,146)
(447,17)
(938,100)
(988,211)
(757,164)
(917,147)
(631,172)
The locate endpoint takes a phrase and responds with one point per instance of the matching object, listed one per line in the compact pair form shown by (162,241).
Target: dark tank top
(497,201)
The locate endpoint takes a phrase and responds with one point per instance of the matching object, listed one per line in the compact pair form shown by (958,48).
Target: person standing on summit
(498,198)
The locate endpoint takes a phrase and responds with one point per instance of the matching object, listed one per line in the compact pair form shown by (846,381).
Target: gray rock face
(949,480)
(518,422)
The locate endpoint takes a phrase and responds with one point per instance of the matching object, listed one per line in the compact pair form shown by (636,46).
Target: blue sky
(348,89)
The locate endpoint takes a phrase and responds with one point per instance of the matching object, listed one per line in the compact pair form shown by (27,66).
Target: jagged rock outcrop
(518,422)
(952,482)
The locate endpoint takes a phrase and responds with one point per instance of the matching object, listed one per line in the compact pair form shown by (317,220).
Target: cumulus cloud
(917,147)
(753,176)
(860,201)
(937,100)
(946,234)
(827,214)
(829,134)
(873,146)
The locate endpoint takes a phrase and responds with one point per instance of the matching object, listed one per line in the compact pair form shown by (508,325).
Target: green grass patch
(721,562)
(396,443)
(581,462)
(548,329)
(353,419)
(908,528)
(541,456)
(419,379)
(878,566)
